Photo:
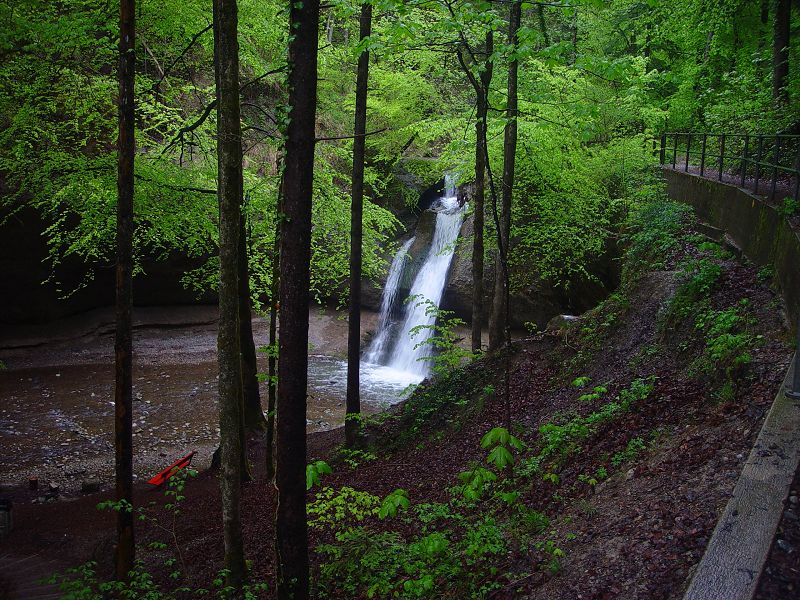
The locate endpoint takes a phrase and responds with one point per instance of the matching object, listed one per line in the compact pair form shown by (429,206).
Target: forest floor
(619,505)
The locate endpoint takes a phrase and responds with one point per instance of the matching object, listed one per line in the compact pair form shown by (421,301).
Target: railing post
(688,146)
(674,149)
(797,179)
(758,161)
(662,154)
(703,155)
(721,155)
(777,159)
(744,158)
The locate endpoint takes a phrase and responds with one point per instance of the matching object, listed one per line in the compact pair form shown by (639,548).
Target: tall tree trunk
(123,344)
(229,194)
(353,412)
(780,50)
(272,359)
(253,413)
(291,539)
(499,322)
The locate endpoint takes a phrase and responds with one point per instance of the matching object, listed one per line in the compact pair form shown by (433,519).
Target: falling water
(410,347)
(380,344)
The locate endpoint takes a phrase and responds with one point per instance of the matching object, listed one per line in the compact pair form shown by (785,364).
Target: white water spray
(380,344)
(411,348)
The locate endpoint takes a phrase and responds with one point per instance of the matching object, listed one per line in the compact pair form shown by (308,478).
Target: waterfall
(410,347)
(379,346)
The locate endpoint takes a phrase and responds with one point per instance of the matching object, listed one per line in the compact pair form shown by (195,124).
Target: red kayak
(179,464)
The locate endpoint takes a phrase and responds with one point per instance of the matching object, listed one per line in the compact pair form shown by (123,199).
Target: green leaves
(393,503)
(499,436)
(580,381)
(315,471)
(500,457)
(474,481)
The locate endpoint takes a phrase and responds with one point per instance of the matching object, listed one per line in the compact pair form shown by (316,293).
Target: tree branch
(177,188)
(207,111)
(349,137)
(171,65)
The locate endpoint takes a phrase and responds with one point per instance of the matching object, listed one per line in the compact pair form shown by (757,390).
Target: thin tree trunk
(253,413)
(352,418)
(780,50)
(763,36)
(498,323)
(542,24)
(272,360)
(574,56)
(229,193)
(123,344)
(291,529)
(482,105)
(478,221)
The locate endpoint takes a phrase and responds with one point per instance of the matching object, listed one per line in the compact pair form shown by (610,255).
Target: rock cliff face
(536,304)
(37,298)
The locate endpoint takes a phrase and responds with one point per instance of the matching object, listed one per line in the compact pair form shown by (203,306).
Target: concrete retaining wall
(764,236)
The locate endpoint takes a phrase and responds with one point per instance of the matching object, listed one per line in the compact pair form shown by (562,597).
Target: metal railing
(749,160)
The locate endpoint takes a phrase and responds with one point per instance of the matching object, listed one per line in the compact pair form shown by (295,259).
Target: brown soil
(637,534)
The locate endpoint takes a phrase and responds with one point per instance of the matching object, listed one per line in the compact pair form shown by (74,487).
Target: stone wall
(33,295)
(763,235)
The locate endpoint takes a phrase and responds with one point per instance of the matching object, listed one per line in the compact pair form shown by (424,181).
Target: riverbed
(57,382)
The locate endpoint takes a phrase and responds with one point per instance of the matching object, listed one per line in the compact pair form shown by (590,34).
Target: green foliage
(342,509)
(655,229)
(499,436)
(766,273)
(444,401)
(393,503)
(595,394)
(552,555)
(728,345)
(533,522)
(638,391)
(580,382)
(475,481)
(501,443)
(558,441)
(700,278)
(353,457)
(83,583)
(631,452)
(789,207)
(445,351)
(383,565)
(315,471)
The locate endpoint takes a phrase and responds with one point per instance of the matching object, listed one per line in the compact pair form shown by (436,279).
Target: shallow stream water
(57,385)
